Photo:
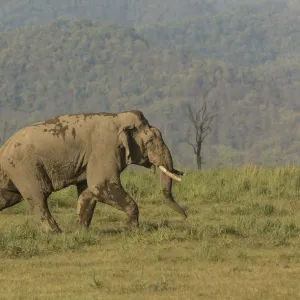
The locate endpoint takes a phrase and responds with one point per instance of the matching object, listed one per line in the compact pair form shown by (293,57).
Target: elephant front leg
(113,194)
(85,208)
(40,208)
(110,193)
(81,187)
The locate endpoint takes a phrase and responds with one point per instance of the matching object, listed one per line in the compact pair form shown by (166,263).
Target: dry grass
(241,241)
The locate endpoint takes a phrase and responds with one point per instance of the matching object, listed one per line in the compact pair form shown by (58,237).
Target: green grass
(240,241)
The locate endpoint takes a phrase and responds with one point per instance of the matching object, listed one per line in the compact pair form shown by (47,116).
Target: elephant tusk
(171,175)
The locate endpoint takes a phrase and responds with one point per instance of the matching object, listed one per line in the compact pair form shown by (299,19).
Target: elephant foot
(48,229)
(49,225)
(57,231)
(82,224)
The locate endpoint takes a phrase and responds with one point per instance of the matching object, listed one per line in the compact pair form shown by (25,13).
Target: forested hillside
(246,34)
(18,13)
(244,56)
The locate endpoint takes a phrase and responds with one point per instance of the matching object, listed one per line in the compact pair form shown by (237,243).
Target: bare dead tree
(153,169)
(2,140)
(201,120)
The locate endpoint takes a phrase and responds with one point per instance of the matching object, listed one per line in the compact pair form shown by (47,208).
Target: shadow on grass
(142,228)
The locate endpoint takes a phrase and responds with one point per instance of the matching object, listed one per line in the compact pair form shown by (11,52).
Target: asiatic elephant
(86,150)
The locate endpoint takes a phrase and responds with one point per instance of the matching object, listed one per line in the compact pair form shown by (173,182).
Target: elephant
(89,150)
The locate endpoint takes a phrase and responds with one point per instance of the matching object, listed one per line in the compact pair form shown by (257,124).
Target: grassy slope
(241,241)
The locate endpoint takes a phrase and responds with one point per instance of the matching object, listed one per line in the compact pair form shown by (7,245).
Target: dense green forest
(158,56)
(18,13)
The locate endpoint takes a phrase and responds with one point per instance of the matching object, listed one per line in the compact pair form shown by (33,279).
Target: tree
(201,121)
(3,133)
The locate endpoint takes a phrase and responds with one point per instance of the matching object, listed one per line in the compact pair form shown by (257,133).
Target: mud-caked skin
(86,150)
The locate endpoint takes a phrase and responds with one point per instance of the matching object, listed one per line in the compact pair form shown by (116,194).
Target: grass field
(241,241)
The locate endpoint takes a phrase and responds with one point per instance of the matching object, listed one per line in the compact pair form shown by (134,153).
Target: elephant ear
(124,141)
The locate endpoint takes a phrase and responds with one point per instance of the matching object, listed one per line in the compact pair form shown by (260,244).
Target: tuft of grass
(28,240)
(65,198)
(255,209)
(95,283)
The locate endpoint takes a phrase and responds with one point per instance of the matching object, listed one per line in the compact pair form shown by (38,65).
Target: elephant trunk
(166,182)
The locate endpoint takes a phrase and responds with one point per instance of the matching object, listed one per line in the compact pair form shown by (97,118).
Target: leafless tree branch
(2,140)
(201,121)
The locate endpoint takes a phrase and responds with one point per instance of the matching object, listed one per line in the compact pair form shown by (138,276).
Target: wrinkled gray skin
(86,150)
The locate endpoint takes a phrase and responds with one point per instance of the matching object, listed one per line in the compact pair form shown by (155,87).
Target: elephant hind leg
(8,198)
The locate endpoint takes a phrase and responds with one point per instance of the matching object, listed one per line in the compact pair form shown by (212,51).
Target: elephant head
(143,145)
